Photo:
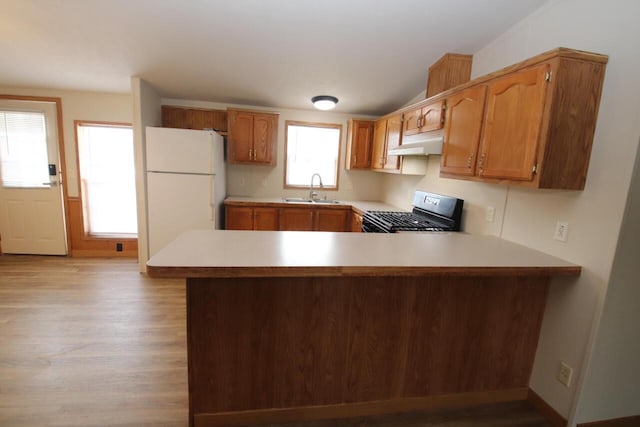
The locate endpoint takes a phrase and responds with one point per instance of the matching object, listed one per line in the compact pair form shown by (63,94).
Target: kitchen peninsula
(287,326)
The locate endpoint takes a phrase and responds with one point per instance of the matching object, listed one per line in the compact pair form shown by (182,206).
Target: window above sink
(311,148)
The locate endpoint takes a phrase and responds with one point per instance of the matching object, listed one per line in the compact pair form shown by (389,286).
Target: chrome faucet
(313,195)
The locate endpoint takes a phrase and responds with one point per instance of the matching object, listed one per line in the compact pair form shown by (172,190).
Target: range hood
(423,147)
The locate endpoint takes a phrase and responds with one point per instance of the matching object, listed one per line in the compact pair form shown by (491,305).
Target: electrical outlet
(562,231)
(490,214)
(565,372)
(118,247)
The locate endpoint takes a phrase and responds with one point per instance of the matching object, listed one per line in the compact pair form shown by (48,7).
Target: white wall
(266,181)
(93,106)
(146,112)
(529,216)
(612,384)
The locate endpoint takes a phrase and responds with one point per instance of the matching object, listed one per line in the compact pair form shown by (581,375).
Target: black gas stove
(431,212)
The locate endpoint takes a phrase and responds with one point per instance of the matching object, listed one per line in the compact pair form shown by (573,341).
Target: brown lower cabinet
(296,219)
(251,218)
(299,218)
(332,219)
(356,222)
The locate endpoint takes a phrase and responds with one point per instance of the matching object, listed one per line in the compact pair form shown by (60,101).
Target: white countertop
(226,253)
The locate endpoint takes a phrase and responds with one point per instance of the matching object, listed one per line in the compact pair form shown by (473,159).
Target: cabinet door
(238,218)
(356,223)
(331,220)
(513,119)
(265,219)
(412,122)
(240,136)
(296,219)
(462,131)
(379,144)
(394,130)
(263,141)
(361,142)
(432,117)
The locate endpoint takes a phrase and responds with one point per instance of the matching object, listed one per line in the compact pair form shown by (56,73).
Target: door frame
(61,155)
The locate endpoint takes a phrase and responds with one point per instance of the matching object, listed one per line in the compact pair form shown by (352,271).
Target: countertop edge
(249,272)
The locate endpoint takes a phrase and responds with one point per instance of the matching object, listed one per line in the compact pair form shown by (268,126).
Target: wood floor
(91,342)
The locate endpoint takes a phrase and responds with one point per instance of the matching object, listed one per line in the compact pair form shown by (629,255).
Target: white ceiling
(372,54)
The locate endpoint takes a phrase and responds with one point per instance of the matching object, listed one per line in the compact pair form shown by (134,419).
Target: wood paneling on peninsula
(319,341)
(301,325)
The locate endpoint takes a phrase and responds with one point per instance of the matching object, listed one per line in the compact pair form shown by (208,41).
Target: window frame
(86,235)
(287,123)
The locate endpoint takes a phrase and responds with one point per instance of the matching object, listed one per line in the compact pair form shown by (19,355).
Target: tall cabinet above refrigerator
(185,183)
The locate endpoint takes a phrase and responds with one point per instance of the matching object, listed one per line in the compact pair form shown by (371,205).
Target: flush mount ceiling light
(324,102)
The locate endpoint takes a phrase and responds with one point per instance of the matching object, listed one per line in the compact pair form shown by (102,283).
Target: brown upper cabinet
(424,119)
(359,144)
(194,118)
(387,134)
(538,122)
(448,72)
(512,125)
(252,137)
(462,133)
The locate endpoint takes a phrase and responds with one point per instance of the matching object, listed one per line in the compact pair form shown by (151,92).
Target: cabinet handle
(470,160)
(249,153)
(481,162)
(419,124)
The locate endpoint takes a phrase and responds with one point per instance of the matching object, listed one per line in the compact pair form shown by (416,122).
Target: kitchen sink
(297,200)
(328,202)
(318,201)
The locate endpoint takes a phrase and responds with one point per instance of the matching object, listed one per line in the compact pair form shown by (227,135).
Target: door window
(23,149)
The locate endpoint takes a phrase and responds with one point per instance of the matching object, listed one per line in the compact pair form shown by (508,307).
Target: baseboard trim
(616,422)
(546,410)
(97,253)
(361,409)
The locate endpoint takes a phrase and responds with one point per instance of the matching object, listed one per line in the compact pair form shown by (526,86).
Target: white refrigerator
(185,183)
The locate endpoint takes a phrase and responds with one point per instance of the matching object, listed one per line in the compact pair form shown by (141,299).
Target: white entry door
(31,204)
